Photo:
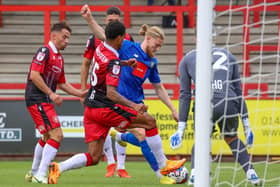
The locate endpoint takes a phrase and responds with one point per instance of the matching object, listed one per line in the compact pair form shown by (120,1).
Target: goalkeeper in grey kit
(228,104)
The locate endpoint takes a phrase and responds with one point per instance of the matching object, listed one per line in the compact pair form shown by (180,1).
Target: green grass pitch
(12,175)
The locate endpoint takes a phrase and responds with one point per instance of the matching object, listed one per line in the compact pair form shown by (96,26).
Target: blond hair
(153,31)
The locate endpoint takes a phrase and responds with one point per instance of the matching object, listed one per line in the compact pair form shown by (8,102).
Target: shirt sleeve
(185,90)
(62,78)
(40,59)
(154,75)
(90,47)
(113,73)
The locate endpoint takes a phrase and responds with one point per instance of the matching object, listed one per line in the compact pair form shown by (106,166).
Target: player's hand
(84,93)
(85,12)
(249,137)
(176,139)
(130,62)
(141,108)
(83,96)
(56,99)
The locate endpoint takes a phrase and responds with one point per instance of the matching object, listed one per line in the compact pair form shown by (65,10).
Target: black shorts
(225,114)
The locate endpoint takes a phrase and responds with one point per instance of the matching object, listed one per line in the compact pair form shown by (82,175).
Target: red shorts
(44,117)
(98,121)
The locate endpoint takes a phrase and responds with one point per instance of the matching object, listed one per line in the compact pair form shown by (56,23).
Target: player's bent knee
(230,139)
(58,137)
(152,123)
(140,133)
(95,160)
(56,134)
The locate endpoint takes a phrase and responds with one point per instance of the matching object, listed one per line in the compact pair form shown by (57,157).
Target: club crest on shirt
(116,69)
(55,119)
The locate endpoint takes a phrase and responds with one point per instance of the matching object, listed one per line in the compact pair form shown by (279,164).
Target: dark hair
(113,10)
(114,29)
(61,25)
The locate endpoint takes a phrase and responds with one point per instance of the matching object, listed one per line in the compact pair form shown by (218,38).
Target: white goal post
(255,42)
(203,92)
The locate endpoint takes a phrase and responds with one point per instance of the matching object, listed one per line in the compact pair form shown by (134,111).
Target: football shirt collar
(54,49)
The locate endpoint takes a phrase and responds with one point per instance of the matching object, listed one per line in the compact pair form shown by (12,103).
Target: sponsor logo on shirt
(56,69)
(140,70)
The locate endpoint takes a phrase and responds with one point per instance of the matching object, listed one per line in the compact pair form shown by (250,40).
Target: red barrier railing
(1,20)
(127,9)
(256,18)
(62,14)
(247,47)
(47,9)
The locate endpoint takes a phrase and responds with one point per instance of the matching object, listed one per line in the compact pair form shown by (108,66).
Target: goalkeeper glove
(248,132)
(176,138)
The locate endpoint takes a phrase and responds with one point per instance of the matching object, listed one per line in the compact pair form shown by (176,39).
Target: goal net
(251,31)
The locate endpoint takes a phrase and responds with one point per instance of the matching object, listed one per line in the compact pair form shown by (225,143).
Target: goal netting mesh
(250,29)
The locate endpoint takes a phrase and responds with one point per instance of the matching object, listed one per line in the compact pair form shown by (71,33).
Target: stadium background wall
(18,137)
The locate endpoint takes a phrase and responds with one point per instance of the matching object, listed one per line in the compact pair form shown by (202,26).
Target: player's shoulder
(104,51)
(127,43)
(93,41)
(42,53)
(190,53)
(225,52)
(220,49)
(44,50)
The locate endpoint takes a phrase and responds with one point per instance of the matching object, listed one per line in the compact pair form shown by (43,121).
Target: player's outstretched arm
(97,30)
(68,88)
(113,94)
(84,73)
(163,95)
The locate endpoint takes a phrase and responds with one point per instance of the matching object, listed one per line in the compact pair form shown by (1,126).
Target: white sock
(121,155)
(118,136)
(192,172)
(37,157)
(159,175)
(108,150)
(49,153)
(75,162)
(155,144)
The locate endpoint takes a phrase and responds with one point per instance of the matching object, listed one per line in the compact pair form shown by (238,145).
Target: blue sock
(130,138)
(149,155)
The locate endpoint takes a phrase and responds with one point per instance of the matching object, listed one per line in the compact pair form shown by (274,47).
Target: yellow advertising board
(264,116)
